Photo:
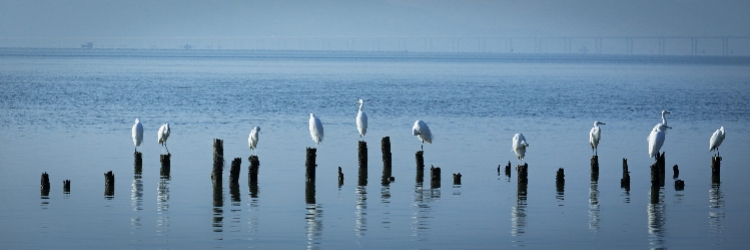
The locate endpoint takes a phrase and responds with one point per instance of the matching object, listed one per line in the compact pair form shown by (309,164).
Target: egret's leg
(165,146)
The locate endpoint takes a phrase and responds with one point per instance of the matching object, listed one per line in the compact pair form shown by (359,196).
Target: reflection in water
(518,212)
(421,210)
(360,226)
(218,208)
(385,199)
(456,189)
(656,220)
(716,213)
(626,196)
(136,200)
(594,206)
(314,218)
(253,209)
(162,208)
(560,186)
(235,209)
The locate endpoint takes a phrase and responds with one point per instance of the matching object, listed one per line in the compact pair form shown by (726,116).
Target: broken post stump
(252,173)
(362,154)
(434,177)
(234,170)
(560,178)
(676,170)
(109,184)
(166,166)
(625,181)
(523,173)
(66,186)
(310,165)
(137,163)
(507,169)
(420,166)
(595,168)
(457,178)
(341,177)
(217,170)
(679,185)
(45,186)
(385,148)
(716,169)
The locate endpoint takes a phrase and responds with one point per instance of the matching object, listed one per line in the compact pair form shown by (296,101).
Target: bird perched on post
(361,120)
(422,132)
(519,146)
(163,135)
(656,139)
(252,140)
(716,140)
(137,134)
(595,135)
(316,129)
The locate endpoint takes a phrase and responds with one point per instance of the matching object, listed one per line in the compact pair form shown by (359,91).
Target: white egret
(663,118)
(163,135)
(422,132)
(595,135)
(656,140)
(519,146)
(316,129)
(716,140)
(252,140)
(137,133)
(361,120)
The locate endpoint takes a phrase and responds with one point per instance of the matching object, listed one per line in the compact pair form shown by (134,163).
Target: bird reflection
(594,206)
(518,212)
(656,220)
(716,211)
(360,226)
(314,218)
(162,208)
(385,199)
(421,210)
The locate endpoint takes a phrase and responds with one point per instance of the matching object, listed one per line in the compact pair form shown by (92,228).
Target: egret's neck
(663,119)
(360,105)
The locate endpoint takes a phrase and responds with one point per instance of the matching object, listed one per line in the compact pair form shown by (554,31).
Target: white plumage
(137,134)
(716,140)
(252,140)
(163,134)
(595,135)
(422,132)
(656,140)
(361,120)
(519,146)
(316,129)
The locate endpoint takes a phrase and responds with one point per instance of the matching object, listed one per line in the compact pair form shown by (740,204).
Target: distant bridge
(620,45)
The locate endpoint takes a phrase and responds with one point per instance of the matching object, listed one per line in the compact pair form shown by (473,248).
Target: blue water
(69,113)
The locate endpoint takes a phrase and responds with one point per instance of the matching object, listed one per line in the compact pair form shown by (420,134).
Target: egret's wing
(426,134)
(362,123)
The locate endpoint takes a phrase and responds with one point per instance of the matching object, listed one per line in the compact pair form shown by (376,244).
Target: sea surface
(69,113)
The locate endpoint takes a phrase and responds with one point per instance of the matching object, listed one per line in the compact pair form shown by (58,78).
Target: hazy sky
(172,18)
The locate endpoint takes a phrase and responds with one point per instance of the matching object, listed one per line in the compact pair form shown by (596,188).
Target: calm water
(69,113)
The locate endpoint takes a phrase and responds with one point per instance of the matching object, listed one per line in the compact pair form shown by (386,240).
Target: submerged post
(679,185)
(218,160)
(676,170)
(457,178)
(45,186)
(66,186)
(625,181)
(166,166)
(341,177)
(109,184)
(595,168)
(434,177)
(716,169)
(137,163)
(252,173)
(420,166)
(234,171)
(310,165)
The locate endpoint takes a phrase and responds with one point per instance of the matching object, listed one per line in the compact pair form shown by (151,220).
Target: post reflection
(421,210)
(518,212)
(360,225)
(162,207)
(657,219)
(136,200)
(594,206)
(385,199)
(314,219)
(716,212)
(218,208)
(253,209)
(236,207)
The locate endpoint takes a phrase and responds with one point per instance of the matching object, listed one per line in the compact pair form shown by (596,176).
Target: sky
(35,19)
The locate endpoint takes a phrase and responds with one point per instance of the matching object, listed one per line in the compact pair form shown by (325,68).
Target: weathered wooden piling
(234,191)
(679,185)
(676,171)
(595,168)
(420,166)
(362,180)
(385,148)
(716,169)
(523,173)
(254,190)
(216,173)
(218,195)
(109,184)
(252,172)
(655,175)
(66,186)
(655,194)
(166,166)
(662,169)
(507,169)
(341,177)
(45,186)
(310,165)
(457,178)
(435,177)
(234,170)
(560,178)
(137,163)
(625,181)
(362,154)
(310,192)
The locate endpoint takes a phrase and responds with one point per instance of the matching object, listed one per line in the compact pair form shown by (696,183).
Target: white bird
(422,132)
(137,133)
(656,140)
(664,119)
(519,146)
(316,129)
(163,135)
(252,140)
(361,120)
(716,140)
(595,135)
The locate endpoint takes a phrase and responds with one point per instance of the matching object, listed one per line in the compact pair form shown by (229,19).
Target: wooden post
(507,169)
(679,185)
(420,166)
(166,166)
(109,184)
(662,169)
(45,186)
(341,177)
(234,171)
(362,154)
(595,168)
(655,194)
(234,190)
(137,163)
(310,165)
(457,178)
(716,169)
(560,180)
(362,180)
(385,148)
(435,177)
(66,186)
(523,173)
(676,170)
(625,181)
(216,173)
(655,179)
(310,192)
(252,173)
(254,190)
